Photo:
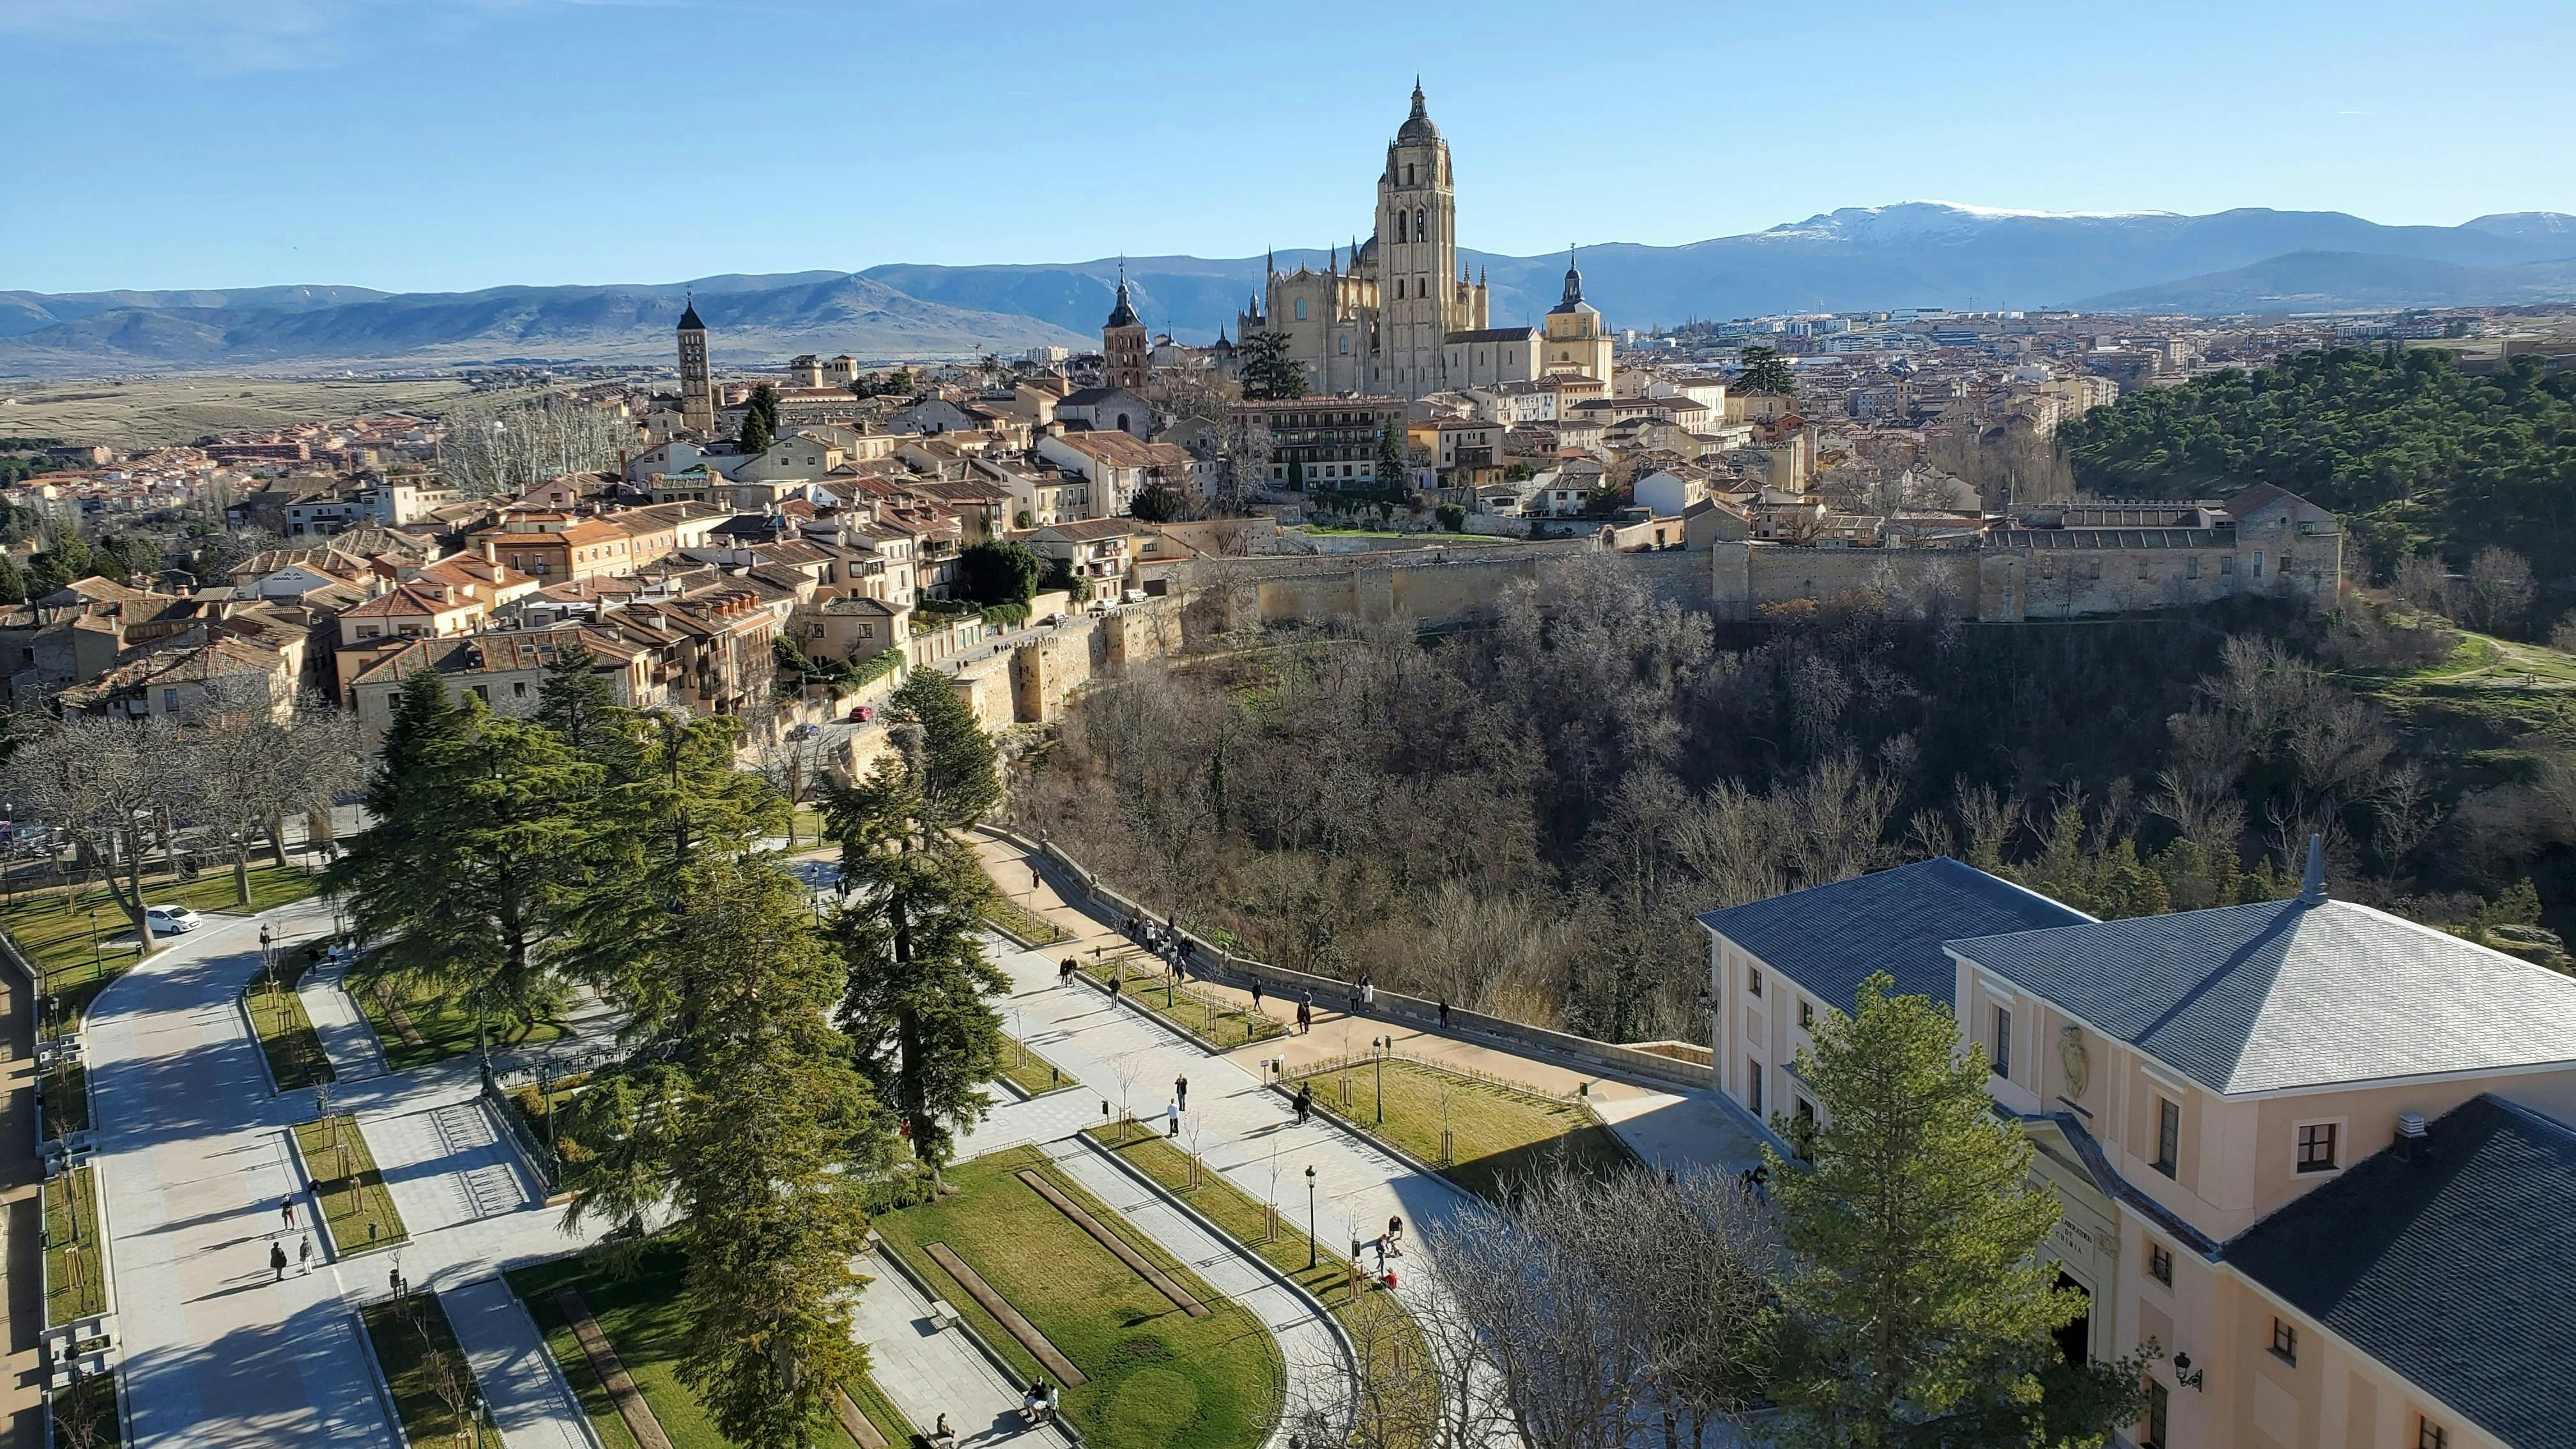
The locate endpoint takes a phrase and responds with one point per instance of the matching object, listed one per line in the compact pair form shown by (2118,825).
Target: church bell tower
(1417,256)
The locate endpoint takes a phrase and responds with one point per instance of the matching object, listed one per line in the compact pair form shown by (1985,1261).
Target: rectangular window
(2317,1147)
(2158,1406)
(1752,981)
(2429,1435)
(1753,1087)
(2258,563)
(2285,1341)
(2160,1264)
(2191,567)
(2003,1043)
(2168,1135)
(1806,1016)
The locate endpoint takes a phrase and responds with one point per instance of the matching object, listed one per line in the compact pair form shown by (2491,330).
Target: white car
(172,920)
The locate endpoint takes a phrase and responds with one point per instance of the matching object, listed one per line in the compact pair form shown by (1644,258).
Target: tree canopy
(1766,371)
(959,781)
(2414,452)
(999,571)
(1268,372)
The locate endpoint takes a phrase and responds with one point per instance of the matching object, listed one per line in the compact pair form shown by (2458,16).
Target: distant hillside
(1917,254)
(2313,281)
(756,321)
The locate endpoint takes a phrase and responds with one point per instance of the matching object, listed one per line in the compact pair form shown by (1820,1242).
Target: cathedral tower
(1576,340)
(1416,254)
(1125,354)
(697,381)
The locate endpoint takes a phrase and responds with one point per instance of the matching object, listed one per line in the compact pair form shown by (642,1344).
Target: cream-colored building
(1576,341)
(1381,325)
(2318,1154)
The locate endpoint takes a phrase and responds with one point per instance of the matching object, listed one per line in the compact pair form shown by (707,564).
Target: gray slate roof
(2454,1267)
(2280,994)
(1829,938)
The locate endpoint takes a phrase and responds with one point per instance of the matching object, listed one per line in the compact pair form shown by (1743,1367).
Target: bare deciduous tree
(108,784)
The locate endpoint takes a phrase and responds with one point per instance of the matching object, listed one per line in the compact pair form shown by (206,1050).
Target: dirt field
(143,412)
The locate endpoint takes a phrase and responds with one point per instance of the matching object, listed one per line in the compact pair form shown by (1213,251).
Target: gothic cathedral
(1379,325)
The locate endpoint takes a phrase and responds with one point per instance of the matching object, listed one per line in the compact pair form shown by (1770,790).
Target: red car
(861,714)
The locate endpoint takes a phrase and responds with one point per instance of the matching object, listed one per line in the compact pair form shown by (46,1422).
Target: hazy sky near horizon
(433,145)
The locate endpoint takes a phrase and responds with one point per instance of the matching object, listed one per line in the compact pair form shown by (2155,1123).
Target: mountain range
(1914,254)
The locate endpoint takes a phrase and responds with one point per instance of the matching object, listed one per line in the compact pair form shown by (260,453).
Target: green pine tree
(959,779)
(1390,458)
(917,1003)
(1920,1312)
(575,701)
(743,1117)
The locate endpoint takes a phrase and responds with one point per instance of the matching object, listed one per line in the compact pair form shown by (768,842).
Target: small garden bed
(1496,1135)
(355,1205)
(1022,924)
(1033,1074)
(641,1313)
(85,1414)
(286,1037)
(66,1088)
(418,1023)
(1214,1022)
(75,1265)
(432,1384)
(1158,1378)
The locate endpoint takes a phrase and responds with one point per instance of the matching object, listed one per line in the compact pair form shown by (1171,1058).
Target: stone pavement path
(447,1164)
(193,1154)
(346,1038)
(530,1403)
(1318,1362)
(928,1371)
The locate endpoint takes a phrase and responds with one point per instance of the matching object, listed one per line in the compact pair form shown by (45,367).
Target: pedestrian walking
(1306,1013)
(1114,983)
(1172,1118)
(1033,880)
(1181,1092)
(1444,1013)
(1394,1238)
(286,1212)
(304,1255)
(1064,972)
(1305,1101)
(277,1260)
(1256,995)
(1368,993)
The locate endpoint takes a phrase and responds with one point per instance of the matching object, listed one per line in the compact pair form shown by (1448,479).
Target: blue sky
(446,144)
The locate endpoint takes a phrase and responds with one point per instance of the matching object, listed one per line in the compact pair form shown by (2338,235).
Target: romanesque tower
(1416,256)
(697,380)
(1125,354)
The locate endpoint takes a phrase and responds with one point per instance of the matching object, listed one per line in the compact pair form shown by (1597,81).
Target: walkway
(929,1371)
(193,1151)
(529,1401)
(346,1038)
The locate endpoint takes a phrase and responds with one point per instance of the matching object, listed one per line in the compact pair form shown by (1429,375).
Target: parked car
(172,920)
(802,732)
(861,714)
(1135,596)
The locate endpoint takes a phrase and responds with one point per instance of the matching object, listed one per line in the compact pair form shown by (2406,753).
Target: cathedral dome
(1417,129)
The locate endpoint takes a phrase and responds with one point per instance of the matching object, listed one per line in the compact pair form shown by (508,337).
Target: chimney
(2410,1135)
(2312,886)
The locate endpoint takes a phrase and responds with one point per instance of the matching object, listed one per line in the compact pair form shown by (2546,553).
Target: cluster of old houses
(2318,1154)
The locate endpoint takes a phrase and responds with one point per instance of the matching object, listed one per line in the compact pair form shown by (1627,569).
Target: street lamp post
(267,958)
(1382,1044)
(1310,1219)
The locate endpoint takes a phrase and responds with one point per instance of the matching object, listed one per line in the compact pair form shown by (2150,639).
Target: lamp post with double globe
(1310,1219)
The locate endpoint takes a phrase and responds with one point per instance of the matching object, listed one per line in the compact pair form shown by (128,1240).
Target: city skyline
(273,148)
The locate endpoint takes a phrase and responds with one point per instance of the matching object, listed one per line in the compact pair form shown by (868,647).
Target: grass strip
(442,1023)
(641,1312)
(65,933)
(1217,1022)
(433,1386)
(1033,1074)
(1022,924)
(75,1269)
(85,1415)
(66,1088)
(1158,1379)
(352,1192)
(286,1036)
(1497,1136)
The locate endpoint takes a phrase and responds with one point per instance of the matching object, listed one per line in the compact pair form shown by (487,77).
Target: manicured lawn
(352,1208)
(295,1055)
(53,929)
(1221,1022)
(642,1315)
(1500,1135)
(1224,1202)
(66,1099)
(1031,1073)
(75,1276)
(443,1020)
(809,827)
(1158,1379)
(92,1405)
(431,1381)
(1013,919)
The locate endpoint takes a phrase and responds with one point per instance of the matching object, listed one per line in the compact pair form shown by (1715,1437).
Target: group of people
(277,1258)
(1038,1405)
